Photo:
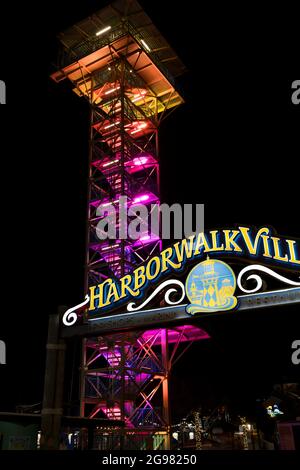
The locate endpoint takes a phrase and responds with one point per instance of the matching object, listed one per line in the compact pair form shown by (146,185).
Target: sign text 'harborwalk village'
(209,285)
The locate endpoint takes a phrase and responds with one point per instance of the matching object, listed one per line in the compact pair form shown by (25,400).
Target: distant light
(145,45)
(102,31)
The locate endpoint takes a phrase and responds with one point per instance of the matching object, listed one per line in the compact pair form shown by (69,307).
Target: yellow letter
(215,246)
(112,292)
(125,280)
(292,244)
(277,250)
(186,247)
(139,277)
(265,239)
(252,248)
(229,240)
(99,295)
(201,242)
(155,260)
(165,260)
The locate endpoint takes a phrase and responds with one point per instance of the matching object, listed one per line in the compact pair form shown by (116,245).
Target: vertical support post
(82,377)
(165,385)
(158,185)
(87,242)
(59,388)
(122,401)
(198,436)
(53,385)
(122,130)
(245,433)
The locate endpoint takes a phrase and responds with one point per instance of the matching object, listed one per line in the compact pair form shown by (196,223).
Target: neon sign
(210,286)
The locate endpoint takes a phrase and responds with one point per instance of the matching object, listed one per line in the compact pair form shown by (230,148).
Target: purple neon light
(184,332)
(141,198)
(140,161)
(146,239)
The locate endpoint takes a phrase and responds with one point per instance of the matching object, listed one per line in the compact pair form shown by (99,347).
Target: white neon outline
(258,279)
(71,310)
(131,307)
(70,316)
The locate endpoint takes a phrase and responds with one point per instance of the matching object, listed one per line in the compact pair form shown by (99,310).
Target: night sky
(234,146)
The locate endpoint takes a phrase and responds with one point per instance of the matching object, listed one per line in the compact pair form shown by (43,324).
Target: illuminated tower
(121,64)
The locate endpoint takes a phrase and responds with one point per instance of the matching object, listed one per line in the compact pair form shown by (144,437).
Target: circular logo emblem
(210,287)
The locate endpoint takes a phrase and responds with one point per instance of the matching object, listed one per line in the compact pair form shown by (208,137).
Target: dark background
(234,145)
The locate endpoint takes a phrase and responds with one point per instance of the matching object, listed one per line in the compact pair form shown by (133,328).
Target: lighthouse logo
(210,287)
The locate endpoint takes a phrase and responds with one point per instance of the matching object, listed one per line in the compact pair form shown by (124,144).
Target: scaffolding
(121,64)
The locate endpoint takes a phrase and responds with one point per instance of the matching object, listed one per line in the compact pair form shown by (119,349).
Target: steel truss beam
(129,91)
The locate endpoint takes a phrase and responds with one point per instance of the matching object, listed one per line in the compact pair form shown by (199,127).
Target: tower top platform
(121,30)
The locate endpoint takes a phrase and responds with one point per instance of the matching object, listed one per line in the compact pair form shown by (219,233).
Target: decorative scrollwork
(258,279)
(70,316)
(131,307)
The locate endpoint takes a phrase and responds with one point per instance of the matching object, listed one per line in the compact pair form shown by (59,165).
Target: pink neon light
(110,163)
(106,204)
(142,198)
(109,247)
(138,161)
(112,259)
(146,237)
(190,333)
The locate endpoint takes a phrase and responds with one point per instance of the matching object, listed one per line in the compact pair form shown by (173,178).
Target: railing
(92,44)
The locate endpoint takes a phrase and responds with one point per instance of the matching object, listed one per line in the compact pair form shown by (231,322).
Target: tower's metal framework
(121,64)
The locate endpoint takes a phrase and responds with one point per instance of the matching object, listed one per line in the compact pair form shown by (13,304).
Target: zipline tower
(121,64)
